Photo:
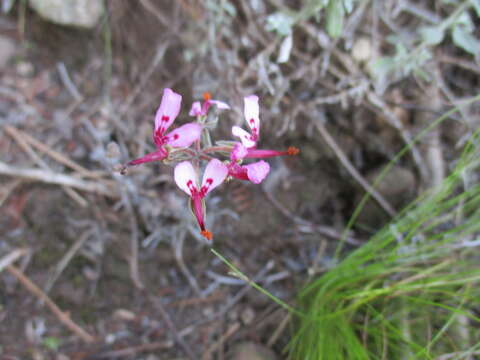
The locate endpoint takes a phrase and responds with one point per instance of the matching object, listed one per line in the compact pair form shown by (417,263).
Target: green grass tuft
(411,291)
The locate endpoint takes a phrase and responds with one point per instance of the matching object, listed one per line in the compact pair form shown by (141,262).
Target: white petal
(185,176)
(215,173)
(251,111)
(220,104)
(244,136)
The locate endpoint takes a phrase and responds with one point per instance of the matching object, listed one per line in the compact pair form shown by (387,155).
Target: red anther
(207,235)
(292,150)
(207,96)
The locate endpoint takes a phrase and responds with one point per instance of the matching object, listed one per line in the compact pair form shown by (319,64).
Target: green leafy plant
(410,57)
(335,12)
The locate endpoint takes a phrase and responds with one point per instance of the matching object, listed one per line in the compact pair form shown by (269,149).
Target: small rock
(113,151)
(362,49)
(251,351)
(7,50)
(78,13)
(247,316)
(152,357)
(124,314)
(25,69)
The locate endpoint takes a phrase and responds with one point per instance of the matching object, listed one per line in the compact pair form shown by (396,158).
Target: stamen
(191,187)
(207,235)
(207,96)
(292,150)
(204,189)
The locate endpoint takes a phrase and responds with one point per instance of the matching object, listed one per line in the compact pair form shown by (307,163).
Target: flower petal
(196,109)
(185,177)
(238,152)
(251,111)
(220,104)
(215,173)
(244,136)
(258,171)
(185,135)
(168,110)
(158,155)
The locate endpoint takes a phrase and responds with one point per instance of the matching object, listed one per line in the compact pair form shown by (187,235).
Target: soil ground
(88,98)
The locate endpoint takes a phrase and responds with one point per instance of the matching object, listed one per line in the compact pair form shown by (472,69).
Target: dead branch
(134,350)
(19,138)
(50,177)
(62,159)
(351,169)
(216,345)
(11,258)
(171,326)
(63,317)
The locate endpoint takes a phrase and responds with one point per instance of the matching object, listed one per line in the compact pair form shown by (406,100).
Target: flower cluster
(176,147)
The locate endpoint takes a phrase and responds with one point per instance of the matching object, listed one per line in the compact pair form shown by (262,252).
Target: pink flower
(182,136)
(263,153)
(255,172)
(186,179)
(251,112)
(199,109)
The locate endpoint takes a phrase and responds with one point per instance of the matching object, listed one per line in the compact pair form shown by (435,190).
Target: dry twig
(216,345)
(381,107)
(62,159)
(62,316)
(11,258)
(19,138)
(50,177)
(63,263)
(177,245)
(351,169)
(171,326)
(134,350)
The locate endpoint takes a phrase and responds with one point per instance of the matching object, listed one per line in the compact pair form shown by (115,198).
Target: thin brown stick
(380,106)
(468,65)
(19,137)
(157,13)
(351,169)
(134,350)
(63,263)
(7,189)
(215,346)
(307,226)
(58,179)
(178,336)
(62,159)
(279,330)
(62,316)
(157,58)
(11,258)
(134,235)
(177,245)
